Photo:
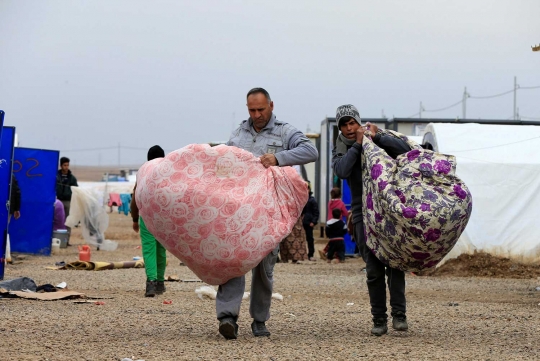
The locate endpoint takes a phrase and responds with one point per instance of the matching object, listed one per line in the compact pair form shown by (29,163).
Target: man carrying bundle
(277,144)
(346,163)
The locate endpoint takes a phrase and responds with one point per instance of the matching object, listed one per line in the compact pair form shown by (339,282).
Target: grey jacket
(288,144)
(348,166)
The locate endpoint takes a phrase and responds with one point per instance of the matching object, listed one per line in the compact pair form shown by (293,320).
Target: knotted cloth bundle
(218,209)
(415,206)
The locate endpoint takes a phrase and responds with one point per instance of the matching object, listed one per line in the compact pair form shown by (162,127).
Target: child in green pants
(154,254)
(155,260)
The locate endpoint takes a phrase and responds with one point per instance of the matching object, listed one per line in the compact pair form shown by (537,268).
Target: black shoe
(379,327)
(150,289)
(259,329)
(160,287)
(228,328)
(399,321)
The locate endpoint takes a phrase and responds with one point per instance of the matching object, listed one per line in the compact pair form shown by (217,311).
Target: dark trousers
(310,240)
(377,272)
(67,206)
(336,246)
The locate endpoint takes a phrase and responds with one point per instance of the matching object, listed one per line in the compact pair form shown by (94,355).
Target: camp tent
(501,166)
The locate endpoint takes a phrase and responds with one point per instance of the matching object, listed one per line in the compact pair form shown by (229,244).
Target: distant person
(335,230)
(311,218)
(276,143)
(59,216)
(14,211)
(347,164)
(64,180)
(336,202)
(154,254)
(293,247)
(15,198)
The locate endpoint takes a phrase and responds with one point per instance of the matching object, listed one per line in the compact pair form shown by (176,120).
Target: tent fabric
(501,166)
(88,210)
(218,209)
(101,190)
(6,162)
(415,207)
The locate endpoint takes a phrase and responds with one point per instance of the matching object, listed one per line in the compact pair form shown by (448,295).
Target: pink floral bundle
(218,209)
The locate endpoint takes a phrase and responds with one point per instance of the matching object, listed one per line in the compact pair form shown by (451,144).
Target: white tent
(501,166)
(415,138)
(102,189)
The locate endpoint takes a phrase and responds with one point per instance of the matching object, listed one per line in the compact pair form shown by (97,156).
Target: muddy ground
(473,308)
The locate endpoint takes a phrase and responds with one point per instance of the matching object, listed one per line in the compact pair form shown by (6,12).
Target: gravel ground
(450,318)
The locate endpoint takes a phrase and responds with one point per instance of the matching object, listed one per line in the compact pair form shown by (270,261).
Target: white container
(55,246)
(63,236)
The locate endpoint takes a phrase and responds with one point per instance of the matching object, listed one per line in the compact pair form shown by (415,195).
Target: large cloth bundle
(415,207)
(218,209)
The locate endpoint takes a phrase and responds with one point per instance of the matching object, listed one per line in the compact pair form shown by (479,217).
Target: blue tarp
(7,139)
(35,170)
(347,199)
(2,247)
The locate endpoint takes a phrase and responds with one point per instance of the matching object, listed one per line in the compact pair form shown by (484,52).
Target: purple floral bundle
(415,207)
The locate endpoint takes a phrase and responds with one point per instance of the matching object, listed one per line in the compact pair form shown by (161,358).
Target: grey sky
(91,74)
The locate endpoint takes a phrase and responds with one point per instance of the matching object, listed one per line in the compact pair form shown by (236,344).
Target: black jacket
(348,166)
(335,228)
(63,190)
(15,196)
(310,212)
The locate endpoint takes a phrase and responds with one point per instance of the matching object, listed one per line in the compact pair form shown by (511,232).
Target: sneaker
(150,289)
(379,327)
(160,287)
(228,328)
(312,259)
(259,329)
(399,321)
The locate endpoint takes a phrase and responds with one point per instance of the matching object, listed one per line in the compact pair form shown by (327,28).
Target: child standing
(154,254)
(336,229)
(336,202)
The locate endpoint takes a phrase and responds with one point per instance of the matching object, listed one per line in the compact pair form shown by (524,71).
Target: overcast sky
(92,74)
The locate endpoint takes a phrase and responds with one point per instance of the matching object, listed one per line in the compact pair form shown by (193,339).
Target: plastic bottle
(55,246)
(84,253)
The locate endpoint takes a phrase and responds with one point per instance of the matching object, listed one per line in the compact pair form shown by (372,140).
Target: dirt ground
(470,309)
(484,265)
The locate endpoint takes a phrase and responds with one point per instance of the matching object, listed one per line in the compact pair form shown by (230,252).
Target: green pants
(154,254)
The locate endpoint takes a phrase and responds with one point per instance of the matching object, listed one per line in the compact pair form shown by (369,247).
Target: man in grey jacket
(276,144)
(346,163)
